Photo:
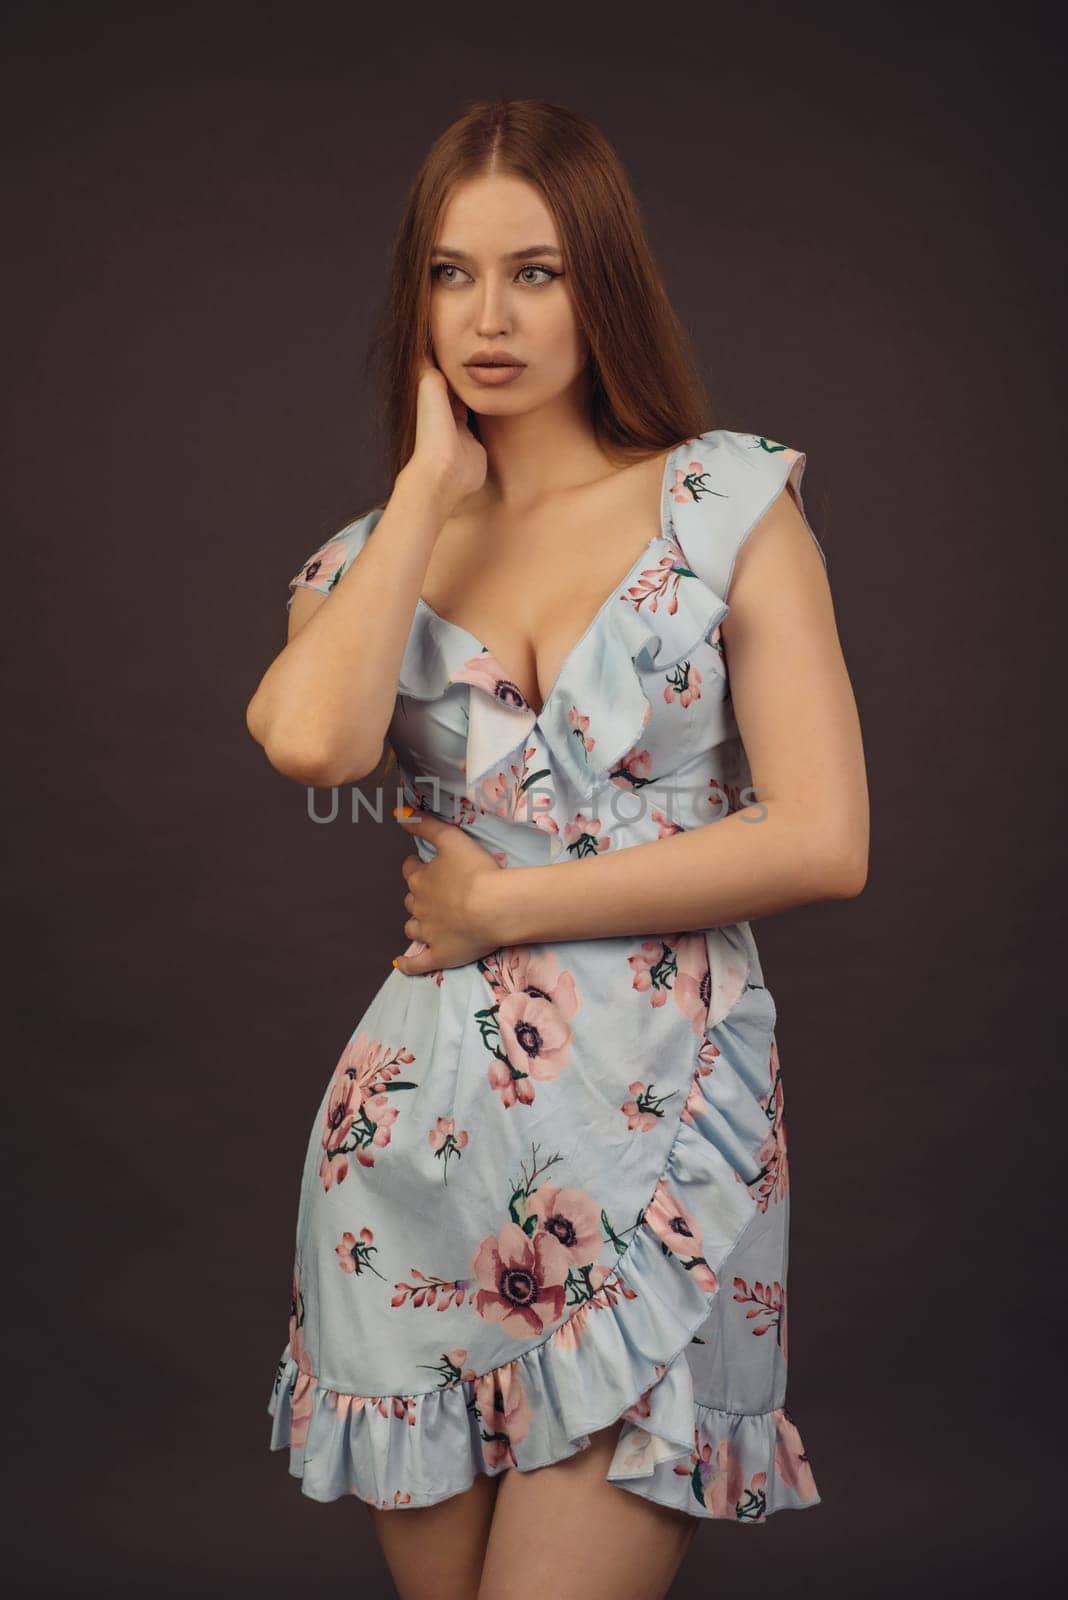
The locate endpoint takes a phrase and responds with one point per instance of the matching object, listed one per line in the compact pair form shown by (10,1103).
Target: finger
(417,959)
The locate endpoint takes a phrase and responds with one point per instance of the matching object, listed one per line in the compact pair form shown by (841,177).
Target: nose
(491,319)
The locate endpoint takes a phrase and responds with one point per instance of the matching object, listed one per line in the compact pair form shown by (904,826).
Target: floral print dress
(549,1188)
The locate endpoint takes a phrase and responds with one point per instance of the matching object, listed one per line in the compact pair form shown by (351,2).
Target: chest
(530,587)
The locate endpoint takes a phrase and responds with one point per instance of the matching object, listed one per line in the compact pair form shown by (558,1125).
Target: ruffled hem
(621,1354)
(694,1458)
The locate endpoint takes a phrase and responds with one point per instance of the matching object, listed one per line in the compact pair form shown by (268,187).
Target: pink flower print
(442,1134)
(325,565)
(642,1407)
(572,1218)
(466,810)
(341,1110)
(678,1231)
(766,1300)
(637,1120)
(535,1035)
(439,1293)
(680,489)
(665,827)
(726,985)
(638,1453)
(692,987)
(446,1142)
(521,1280)
(354,1255)
(583,836)
(658,582)
(507,794)
(634,770)
(398,1498)
(774,1181)
(706,1058)
(513,1089)
(534,1002)
(691,484)
(607,1287)
(400,1406)
(576,726)
(379,1110)
(345,1404)
(541,815)
(718,799)
(642,1110)
(301,1406)
(500,856)
(501,1403)
(672,1224)
(696,1104)
(536,970)
(348,1245)
(722,1485)
(358,1105)
(791,1463)
(485,672)
(652,969)
(685,682)
(296,1326)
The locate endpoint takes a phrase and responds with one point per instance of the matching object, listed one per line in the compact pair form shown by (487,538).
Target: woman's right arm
(323,706)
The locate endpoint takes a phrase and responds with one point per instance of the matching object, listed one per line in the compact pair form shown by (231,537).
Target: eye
(438,271)
(443,267)
(549,274)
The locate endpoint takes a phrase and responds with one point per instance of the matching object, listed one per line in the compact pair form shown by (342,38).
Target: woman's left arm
(805,840)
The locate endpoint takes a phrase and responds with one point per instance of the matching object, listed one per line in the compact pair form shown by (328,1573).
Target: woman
(540,1273)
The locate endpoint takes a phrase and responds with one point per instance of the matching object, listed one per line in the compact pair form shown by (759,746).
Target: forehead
(493,215)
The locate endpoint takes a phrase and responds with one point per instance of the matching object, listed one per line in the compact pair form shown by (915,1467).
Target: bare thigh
(564,1531)
(435,1552)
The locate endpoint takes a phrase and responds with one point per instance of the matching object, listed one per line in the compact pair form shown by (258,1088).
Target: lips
(498,360)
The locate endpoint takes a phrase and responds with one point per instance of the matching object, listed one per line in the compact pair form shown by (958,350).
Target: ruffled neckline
(597,705)
(641,560)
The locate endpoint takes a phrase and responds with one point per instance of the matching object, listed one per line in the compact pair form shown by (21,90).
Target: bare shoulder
(779,572)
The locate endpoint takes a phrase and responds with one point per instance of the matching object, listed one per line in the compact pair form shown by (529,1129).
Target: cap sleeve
(326,565)
(726,481)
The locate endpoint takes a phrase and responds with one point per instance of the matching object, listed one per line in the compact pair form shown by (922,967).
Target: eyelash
(528,266)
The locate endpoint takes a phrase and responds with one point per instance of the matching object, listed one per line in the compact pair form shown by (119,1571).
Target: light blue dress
(549,1188)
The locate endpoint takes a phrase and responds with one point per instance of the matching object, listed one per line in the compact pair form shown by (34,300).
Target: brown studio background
(859,224)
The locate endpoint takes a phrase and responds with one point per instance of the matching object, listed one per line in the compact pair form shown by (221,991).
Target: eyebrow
(511,255)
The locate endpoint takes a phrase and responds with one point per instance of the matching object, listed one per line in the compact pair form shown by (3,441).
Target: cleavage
(477,596)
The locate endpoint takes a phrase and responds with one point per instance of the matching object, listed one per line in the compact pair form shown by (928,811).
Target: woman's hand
(446,452)
(445,901)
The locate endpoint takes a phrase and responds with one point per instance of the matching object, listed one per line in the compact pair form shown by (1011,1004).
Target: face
(492,291)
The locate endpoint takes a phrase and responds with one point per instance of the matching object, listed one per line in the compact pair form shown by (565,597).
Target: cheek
(563,344)
(444,324)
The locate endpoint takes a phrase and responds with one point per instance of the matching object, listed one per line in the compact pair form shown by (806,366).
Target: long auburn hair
(646,392)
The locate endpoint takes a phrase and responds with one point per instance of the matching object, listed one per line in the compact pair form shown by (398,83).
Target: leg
(436,1552)
(564,1531)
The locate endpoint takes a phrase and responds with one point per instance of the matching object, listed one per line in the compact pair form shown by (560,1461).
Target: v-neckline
(621,583)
